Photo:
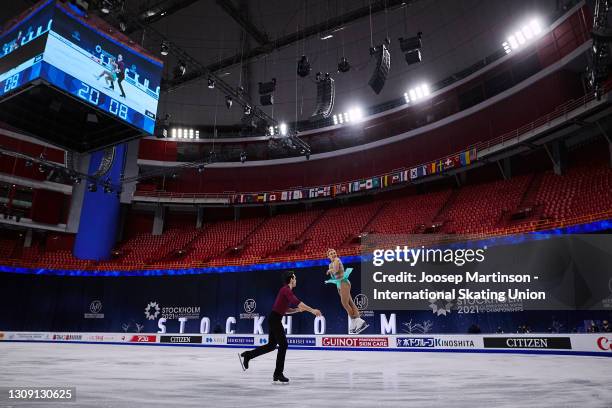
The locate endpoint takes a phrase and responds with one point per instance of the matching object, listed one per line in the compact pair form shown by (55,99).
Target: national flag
(312,193)
(286,195)
(386,180)
(440,166)
(237,198)
(376,182)
(248,198)
(323,191)
(467,157)
(414,173)
(396,178)
(424,170)
(274,196)
(448,163)
(342,188)
(405,175)
(297,194)
(261,198)
(432,167)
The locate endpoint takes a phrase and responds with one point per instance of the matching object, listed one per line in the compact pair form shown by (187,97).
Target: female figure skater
(339,277)
(110,75)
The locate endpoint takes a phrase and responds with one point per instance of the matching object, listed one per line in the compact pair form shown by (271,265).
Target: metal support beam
(238,96)
(158,11)
(242,19)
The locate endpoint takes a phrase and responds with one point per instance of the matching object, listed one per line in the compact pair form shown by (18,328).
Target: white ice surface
(152,376)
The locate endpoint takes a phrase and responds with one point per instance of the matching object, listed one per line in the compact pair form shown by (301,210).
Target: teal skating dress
(345,275)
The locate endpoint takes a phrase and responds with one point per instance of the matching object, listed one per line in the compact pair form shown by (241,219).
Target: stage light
(164,48)
(417,93)
(247,110)
(303,68)
(283,129)
(28,163)
(211,83)
(228,102)
(106,6)
(507,47)
(243,157)
(200,168)
(173,133)
(122,24)
(271,130)
(535,26)
(191,133)
(523,36)
(180,69)
(327,36)
(355,115)
(92,187)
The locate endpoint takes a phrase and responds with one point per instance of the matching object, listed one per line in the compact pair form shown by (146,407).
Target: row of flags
(462,159)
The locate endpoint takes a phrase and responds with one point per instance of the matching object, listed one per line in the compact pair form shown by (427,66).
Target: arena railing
(499,141)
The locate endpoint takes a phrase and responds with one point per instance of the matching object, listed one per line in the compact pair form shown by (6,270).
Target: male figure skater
(120,73)
(284,300)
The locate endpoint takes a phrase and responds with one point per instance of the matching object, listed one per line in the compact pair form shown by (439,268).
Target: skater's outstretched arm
(304,307)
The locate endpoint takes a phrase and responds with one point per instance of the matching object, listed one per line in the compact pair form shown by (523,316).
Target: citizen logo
(527,343)
(558,343)
(180,339)
(604,343)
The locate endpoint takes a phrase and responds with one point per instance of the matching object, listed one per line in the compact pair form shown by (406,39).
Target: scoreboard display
(56,45)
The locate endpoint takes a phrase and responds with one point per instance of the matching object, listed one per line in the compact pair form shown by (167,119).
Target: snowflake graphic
(152,306)
(440,307)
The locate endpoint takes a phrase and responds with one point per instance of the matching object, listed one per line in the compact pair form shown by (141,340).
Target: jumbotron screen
(54,44)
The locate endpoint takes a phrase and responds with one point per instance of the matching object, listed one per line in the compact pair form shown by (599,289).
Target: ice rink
(154,376)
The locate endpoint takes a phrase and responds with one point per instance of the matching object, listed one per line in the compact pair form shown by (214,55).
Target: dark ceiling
(250,41)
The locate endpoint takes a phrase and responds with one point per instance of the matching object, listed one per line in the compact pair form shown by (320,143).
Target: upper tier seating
(583,194)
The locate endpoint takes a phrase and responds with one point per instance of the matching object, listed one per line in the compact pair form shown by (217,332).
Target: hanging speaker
(326,94)
(383,64)
(267,100)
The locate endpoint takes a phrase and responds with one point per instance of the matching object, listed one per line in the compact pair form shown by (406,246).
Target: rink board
(598,344)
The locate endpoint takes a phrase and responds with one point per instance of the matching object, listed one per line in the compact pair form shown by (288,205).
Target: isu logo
(361,301)
(95,306)
(604,343)
(250,305)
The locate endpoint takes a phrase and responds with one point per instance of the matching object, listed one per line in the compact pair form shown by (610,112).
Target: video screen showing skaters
(115,71)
